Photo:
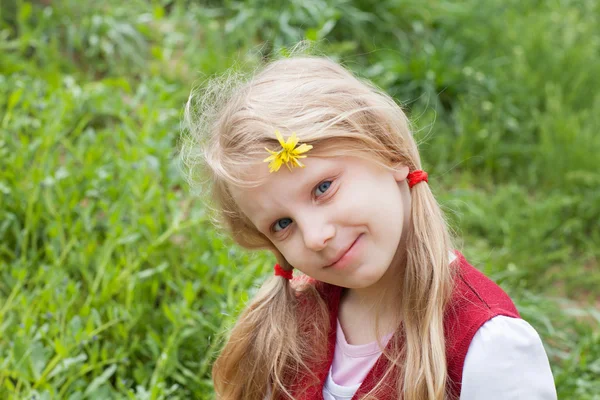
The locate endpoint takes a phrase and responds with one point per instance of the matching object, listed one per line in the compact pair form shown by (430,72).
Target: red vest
(476,299)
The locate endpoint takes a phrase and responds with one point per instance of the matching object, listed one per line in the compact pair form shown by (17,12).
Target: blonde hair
(283,331)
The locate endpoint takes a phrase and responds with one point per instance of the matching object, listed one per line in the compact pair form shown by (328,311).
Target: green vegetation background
(113,285)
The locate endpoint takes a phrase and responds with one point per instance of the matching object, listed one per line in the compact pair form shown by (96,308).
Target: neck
(384,297)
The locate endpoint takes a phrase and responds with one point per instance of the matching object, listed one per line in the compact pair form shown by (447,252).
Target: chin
(362,281)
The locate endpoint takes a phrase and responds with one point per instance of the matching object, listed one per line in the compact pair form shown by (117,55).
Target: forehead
(279,191)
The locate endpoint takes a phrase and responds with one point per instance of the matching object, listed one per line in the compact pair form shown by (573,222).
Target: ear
(400,172)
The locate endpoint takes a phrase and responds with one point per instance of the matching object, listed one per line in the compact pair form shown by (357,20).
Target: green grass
(113,284)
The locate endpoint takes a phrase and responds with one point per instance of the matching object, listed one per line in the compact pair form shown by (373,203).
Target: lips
(343,252)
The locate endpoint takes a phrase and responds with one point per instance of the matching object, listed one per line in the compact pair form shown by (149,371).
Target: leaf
(132,238)
(38,359)
(189,294)
(99,381)
(67,363)
(147,273)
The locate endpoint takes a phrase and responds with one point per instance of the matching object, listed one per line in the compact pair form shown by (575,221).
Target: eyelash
(314,189)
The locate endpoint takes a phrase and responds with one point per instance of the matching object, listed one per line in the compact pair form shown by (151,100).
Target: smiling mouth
(344,252)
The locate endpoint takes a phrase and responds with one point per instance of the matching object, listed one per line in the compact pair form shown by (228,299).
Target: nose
(316,233)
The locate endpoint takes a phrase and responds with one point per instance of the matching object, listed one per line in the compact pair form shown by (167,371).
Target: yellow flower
(289,153)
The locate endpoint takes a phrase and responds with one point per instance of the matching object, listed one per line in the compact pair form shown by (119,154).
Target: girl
(321,168)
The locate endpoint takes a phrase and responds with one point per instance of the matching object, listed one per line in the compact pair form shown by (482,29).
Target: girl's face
(339,220)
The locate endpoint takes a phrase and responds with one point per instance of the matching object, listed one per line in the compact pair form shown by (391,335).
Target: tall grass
(113,284)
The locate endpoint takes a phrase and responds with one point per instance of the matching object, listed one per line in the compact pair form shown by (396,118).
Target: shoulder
(476,299)
(475,290)
(506,360)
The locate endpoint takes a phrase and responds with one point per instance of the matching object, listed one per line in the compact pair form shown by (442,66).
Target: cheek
(386,210)
(292,251)
(380,199)
(354,202)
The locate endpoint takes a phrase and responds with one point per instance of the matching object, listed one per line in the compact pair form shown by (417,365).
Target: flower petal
(275,165)
(280,138)
(272,156)
(292,141)
(303,148)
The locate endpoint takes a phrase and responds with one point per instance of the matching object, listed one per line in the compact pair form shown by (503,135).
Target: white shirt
(505,361)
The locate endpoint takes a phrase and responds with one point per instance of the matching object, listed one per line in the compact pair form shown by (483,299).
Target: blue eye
(322,188)
(281,224)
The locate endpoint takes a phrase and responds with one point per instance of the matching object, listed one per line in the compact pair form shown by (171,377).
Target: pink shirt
(351,363)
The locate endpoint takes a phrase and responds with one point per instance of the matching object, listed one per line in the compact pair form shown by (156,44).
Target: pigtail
(427,287)
(255,348)
(272,343)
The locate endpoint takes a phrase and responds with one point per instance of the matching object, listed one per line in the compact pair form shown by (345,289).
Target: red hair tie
(416,177)
(287,274)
